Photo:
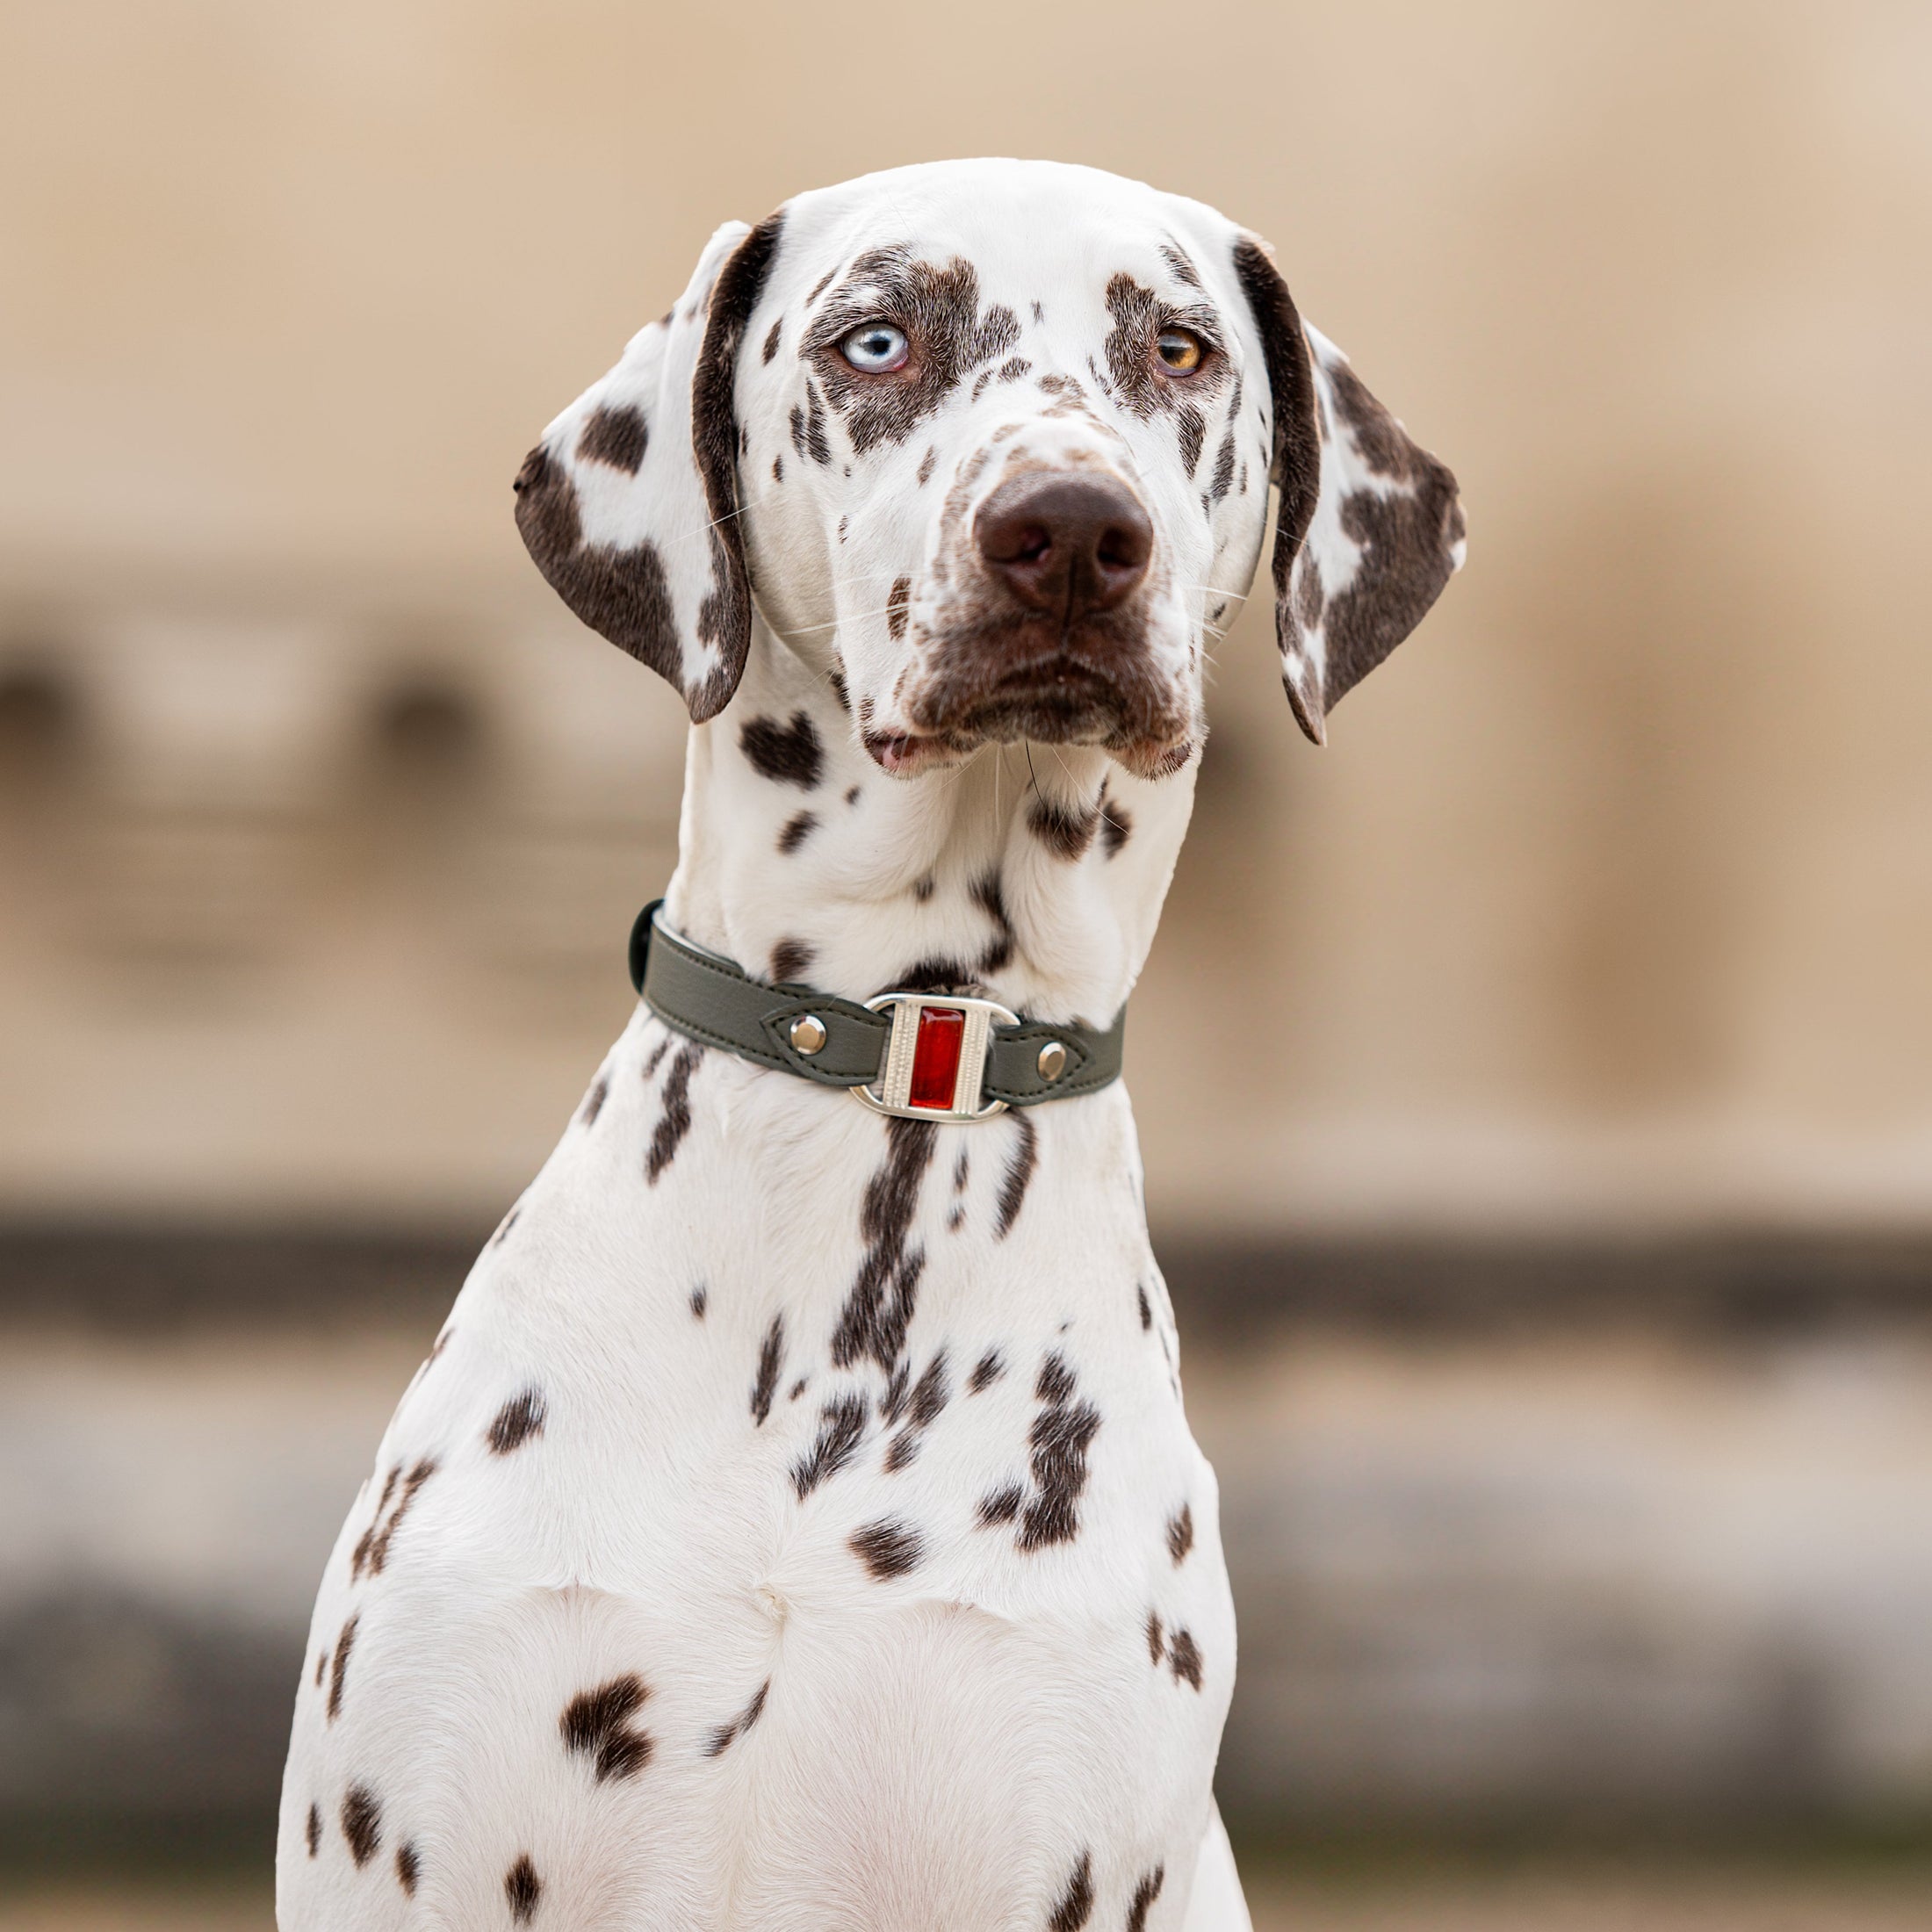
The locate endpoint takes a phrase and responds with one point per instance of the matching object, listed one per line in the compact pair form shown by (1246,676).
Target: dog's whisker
(852,616)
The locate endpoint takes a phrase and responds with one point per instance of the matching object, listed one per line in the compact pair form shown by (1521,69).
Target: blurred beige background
(1558,1273)
(1609,902)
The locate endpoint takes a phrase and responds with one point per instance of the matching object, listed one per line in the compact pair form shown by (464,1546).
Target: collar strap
(927,1056)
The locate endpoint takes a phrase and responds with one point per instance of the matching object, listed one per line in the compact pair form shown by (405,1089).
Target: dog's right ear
(629,504)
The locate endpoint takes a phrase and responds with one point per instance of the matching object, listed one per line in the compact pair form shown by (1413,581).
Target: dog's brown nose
(1067,544)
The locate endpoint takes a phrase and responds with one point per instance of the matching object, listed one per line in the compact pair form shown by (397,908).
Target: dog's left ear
(1368,529)
(629,504)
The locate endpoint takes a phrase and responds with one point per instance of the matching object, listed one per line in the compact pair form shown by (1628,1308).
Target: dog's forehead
(1030,230)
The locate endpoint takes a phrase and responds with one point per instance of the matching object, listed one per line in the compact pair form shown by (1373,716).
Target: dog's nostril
(1122,549)
(1014,543)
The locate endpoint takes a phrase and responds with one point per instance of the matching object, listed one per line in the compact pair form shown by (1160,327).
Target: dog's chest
(797,1525)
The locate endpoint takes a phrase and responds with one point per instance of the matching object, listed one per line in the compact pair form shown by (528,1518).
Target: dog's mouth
(1082,688)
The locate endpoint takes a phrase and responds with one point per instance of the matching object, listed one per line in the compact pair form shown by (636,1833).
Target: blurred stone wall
(1606,903)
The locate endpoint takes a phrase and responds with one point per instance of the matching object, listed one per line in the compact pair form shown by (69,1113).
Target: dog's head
(989,443)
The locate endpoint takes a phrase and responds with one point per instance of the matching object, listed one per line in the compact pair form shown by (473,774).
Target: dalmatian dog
(796,1526)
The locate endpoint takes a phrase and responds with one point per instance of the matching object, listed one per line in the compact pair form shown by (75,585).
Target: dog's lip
(897,752)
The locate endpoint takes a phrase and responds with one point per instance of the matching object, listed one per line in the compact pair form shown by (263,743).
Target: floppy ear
(1369,529)
(629,504)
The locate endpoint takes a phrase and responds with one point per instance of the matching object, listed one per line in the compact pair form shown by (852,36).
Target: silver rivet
(808,1035)
(1053,1060)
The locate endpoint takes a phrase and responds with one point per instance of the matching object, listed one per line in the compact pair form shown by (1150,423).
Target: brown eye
(1182,351)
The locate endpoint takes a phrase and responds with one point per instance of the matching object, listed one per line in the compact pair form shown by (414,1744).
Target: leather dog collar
(924,1056)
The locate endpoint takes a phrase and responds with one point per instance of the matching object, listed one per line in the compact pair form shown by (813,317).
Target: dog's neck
(1036,873)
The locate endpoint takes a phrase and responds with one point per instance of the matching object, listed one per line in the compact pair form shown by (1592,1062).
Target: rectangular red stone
(935,1057)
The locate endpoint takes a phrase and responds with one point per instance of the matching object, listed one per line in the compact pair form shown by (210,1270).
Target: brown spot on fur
(1075,1904)
(1019,1167)
(986,1371)
(1013,368)
(372,1551)
(808,427)
(841,1428)
(799,827)
(616,437)
(312,1831)
(1147,1313)
(654,1059)
(925,467)
(1177,259)
(522,1888)
(788,754)
(1184,1659)
(1002,1505)
(790,961)
(771,340)
(595,1724)
(887,1549)
(896,606)
(820,286)
(338,1671)
(520,1418)
(593,1100)
(778,469)
(1180,1534)
(1059,1439)
(408,1868)
(700,1299)
(770,1357)
(1066,831)
(1157,1642)
(1193,429)
(1224,466)
(675,1121)
(322,1666)
(1145,1895)
(928,1396)
(873,1322)
(991,900)
(724,1736)
(362,1823)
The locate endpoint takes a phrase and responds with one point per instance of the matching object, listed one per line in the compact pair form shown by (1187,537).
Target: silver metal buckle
(893,1094)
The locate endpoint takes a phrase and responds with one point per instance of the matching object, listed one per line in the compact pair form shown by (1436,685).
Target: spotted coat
(795,1524)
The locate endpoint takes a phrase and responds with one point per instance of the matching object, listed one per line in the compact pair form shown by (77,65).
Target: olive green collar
(926,1056)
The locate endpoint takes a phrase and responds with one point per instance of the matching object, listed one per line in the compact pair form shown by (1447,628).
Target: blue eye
(875,348)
